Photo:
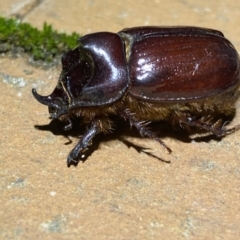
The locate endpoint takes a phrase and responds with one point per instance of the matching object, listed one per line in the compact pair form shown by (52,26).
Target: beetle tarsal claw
(232,130)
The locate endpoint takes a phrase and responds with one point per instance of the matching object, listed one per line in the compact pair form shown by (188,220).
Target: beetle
(187,76)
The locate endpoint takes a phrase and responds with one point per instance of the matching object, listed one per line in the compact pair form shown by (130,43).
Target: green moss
(41,45)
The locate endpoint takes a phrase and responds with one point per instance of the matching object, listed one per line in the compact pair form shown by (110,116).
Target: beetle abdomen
(181,65)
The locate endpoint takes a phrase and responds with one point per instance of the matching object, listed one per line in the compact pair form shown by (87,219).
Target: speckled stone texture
(123,190)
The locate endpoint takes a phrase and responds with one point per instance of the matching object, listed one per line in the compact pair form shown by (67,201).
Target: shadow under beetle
(187,76)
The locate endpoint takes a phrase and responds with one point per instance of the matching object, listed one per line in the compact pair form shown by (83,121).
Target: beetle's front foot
(72,157)
(84,142)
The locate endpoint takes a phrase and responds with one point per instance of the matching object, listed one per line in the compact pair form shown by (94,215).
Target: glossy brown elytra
(187,76)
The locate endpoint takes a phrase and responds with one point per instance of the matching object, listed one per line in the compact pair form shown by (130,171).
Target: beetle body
(187,76)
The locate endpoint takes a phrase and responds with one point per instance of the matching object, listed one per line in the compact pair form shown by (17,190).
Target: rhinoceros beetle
(188,76)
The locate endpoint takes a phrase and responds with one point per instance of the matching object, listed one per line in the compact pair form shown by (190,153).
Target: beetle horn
(46,100)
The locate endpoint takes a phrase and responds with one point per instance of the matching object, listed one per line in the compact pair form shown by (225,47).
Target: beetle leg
(142,127)
(69,125)
(216,128)
(85,141)
(233,129)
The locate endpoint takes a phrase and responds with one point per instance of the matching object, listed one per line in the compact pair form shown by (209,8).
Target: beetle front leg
(85,140)
(142,127)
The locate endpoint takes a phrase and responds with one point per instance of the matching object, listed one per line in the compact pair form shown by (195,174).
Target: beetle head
(77,70)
